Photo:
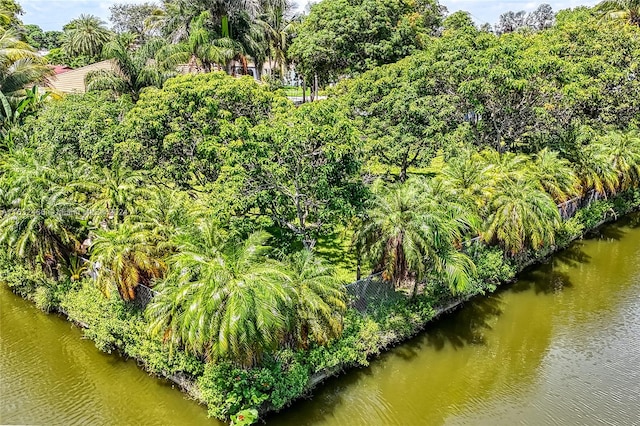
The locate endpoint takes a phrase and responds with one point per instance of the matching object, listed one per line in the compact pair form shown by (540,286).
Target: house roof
(72,81)
(59,69)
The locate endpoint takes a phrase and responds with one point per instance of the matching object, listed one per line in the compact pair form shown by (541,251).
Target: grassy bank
(116,326)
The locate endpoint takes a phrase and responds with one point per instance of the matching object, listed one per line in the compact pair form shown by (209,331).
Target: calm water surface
(561,346)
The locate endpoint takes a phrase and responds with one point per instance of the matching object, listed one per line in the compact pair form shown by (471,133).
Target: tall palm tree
(469,178)
(320,299)
(126,256)
(555,175)
(86,35)
(411,232)
(20,65)
(596,170)
(135,70)
(173,20)
(166,212)
(277,29)
(39,229)
(250,42)
(113,192)
(505,166)
(523,216)
(623,151)
(628,10)
(201,50)
(223,299)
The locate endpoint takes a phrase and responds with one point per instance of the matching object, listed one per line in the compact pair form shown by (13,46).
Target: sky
(53,14)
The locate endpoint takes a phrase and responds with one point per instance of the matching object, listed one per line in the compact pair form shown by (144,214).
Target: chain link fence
(144,295)
(370,291)
(569,208)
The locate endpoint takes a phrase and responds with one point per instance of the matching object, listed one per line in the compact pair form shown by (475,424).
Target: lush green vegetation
(439,165)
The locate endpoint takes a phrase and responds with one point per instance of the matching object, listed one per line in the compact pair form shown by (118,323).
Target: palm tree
(39,229)
(505,166)
(113,192)
(469,177)
(320,299)
(596,170)
(126,257)
(277,30)
(166,212)
(250,42)
(223,299)
(411,232)
(628,10)
(623,151)
(523,216)
(556,175)
(201,50)
(173,21)
(86,35)
(136,69)
(20,65)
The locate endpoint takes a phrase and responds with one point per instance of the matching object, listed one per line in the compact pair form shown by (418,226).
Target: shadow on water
(616,231)
(609,233)
(466,326)
(463,327)
(543,280)
(571,257)
(330,395)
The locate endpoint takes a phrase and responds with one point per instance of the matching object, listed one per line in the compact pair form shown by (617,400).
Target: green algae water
(560,346)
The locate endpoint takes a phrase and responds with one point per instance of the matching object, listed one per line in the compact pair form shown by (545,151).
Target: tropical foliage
(202,223)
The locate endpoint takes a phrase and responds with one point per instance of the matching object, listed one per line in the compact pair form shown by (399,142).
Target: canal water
(560,346)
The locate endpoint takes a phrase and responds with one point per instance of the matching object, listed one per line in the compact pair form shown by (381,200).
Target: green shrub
(20,279)
(569,231)
(245,417)
(105,317)
(43,298)
(492,267)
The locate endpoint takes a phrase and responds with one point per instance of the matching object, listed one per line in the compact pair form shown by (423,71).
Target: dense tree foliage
(449,156)
(302,168)
(379,32)
(132,18)
(183,129)
(40,39)
(519,91)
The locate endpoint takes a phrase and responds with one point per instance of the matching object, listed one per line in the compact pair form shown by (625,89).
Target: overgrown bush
(20,279)
(492,267)
(227,389)
(114,325)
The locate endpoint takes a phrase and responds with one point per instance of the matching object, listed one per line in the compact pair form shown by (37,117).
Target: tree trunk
(304,90)
(315,87)
(259,65)
(403,168)
(414,293)
(358,261)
